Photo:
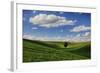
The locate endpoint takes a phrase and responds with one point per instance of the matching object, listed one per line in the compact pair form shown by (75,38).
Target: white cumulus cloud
(83,36)
(50,20)
(80,28)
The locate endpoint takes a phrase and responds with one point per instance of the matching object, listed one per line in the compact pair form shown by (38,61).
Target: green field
(38,51)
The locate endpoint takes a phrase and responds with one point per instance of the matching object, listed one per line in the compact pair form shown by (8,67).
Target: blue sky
(56,25)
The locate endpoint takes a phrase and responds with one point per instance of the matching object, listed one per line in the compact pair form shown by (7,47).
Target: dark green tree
(65,44)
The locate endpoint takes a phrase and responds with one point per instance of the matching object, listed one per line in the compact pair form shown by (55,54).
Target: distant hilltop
(55,39)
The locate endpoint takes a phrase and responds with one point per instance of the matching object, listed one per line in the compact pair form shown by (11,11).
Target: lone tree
(65,44)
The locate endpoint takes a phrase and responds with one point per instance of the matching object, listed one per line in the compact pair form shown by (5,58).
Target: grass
(37,51)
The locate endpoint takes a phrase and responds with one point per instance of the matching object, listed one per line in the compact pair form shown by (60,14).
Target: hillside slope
(37,51)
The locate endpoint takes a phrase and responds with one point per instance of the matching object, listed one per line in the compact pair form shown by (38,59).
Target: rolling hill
(37,51)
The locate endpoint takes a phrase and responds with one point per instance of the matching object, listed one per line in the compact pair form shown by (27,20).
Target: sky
(56,25)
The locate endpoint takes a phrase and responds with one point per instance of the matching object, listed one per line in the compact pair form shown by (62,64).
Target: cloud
(82,37)
(27,36)
(50,20)
(34,28)
(80,28)
(78,35)
(87,34)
